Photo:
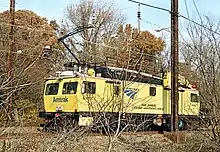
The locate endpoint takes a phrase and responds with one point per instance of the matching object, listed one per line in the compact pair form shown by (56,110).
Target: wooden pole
(174,65)
(11,49)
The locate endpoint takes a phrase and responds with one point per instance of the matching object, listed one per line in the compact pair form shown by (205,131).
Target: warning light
(194,86)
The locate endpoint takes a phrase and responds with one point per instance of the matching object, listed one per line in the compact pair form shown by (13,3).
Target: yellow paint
(69,106)
(104,100)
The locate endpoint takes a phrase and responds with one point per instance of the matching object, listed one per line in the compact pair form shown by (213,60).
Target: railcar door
(111,94)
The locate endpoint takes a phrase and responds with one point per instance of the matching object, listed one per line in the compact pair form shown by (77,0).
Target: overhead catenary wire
(23,26)
(179,15)
(197,10)
(85,41)
(40,30)
(160,28)
(26,44)
(5,6)
(117,48)
(100,44)
(104,45)
(174,60)
(152,6)
(21,53)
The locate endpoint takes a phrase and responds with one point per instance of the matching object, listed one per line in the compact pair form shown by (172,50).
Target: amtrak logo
(131,92)
(65,99)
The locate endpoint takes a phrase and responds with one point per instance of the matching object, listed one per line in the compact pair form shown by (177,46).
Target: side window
(116,90)
(69,88)
(52,89)
(89,87)
(194,97)
(152,91)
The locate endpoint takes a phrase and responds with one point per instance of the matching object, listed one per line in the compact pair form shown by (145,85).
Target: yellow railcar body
(115,96)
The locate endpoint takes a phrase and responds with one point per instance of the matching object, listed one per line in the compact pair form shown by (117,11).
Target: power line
(20,53)
(197,10)
(99,44)
(179,15)
(187,10)
(4,6)
(158,26)
(174,61)
(26,44)
(150,23)
(199,24)
(22,26)
(116,48)
(152,6)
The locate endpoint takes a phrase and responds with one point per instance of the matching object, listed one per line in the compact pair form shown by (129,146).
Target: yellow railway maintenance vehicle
(102,96)
(116,98)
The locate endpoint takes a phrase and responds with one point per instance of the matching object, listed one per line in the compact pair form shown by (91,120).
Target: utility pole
(139,17)
(11,49)
(174,65)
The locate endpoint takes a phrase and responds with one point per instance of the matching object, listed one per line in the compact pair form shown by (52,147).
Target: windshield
(52,89)
(69,88)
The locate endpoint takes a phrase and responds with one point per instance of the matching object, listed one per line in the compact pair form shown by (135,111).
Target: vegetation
(141,50)
(111,41)
(32,33)
(103,16)
(201,52)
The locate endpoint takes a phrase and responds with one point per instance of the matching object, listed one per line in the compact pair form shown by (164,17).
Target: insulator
(139,14)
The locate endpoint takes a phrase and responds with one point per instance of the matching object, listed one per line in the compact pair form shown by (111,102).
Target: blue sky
(152,18)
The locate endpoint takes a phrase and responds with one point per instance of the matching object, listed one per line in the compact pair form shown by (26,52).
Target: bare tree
(102,15)
(32,34)
(201,52)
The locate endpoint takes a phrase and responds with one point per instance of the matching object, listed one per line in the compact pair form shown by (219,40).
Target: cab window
(52,89)
(89,87)
(69,88)
(152,91)
(194,97)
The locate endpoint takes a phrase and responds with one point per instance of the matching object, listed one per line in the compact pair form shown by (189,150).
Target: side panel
(138,99)
(95,102)
(185,106)
(135,98)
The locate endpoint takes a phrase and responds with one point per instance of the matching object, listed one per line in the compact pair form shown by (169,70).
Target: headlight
(59,108)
